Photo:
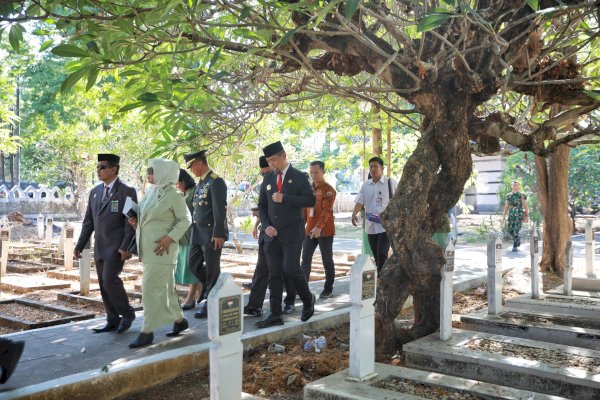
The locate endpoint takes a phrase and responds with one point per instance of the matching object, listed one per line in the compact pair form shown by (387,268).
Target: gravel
(426,391)
(28,313)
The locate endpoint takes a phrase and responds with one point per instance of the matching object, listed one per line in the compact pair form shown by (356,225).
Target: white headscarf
(166,174)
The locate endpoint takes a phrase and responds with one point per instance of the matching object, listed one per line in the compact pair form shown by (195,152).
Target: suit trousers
(205,262)
(260,282)
(326,247)
(283,260)
(113,293)
(380,246)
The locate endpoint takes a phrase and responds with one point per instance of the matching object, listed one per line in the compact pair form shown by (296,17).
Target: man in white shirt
(374,195)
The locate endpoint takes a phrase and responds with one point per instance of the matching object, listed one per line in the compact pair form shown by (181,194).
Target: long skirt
(183,275)
(160,301)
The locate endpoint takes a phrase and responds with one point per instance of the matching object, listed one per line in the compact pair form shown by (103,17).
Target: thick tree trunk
(432,182)
(376,132)
(553,178)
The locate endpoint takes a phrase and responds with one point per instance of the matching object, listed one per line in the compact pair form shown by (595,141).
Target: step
(554,303)
(547,327)
(542,367)
(406,383)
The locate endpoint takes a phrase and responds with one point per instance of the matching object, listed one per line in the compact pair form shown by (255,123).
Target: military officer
(209,224)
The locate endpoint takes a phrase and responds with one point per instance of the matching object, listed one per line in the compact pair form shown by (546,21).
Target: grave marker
(49,224)
(568,270)
(589,248)
(225,325)
(85,264)
(4,238)
(40,226)
(494,253)
(363,288)
(446,293)
(535,270)
(68,246)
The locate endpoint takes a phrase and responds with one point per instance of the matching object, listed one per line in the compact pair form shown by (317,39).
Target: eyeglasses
(150,171)
(102,166)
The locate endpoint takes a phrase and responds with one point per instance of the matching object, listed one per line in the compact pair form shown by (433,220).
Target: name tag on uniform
(311,212)
(114,206)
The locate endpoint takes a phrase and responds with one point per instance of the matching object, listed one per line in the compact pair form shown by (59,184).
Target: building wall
(483,195)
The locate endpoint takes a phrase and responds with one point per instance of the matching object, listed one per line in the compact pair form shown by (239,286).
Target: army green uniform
(515,216)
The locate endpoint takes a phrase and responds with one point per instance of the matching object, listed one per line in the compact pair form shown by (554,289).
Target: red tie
(279,181)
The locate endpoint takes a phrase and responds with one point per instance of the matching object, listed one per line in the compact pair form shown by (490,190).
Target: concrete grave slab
(65,316)
(25,284)
(555,303)
(552,373)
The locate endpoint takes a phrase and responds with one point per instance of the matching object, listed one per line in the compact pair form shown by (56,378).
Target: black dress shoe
(254,311)
(203,313)
(106,328)
(289,309)
(308,311)
(179,327)
(325,294)
(143,339)
(10,358)
(186,307)
(124,325)
(271,320)
(247,285)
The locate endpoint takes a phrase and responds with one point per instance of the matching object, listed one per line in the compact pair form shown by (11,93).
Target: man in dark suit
(113,236)
(284,193)
(209,224)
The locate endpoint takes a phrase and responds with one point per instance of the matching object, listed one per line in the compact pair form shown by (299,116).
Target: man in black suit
(113,236)
(209,224)
(284,193)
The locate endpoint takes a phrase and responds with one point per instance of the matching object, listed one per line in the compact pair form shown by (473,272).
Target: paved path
(56,352)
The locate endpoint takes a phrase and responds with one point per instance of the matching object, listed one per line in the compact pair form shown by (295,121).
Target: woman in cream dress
(163,218)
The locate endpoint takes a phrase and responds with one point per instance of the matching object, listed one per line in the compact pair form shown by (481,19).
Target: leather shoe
(308,311)
(271,320)
(186,307)
(203,313)
(124,325)
(289,309)
(247,285)
(10,359)
(106,328)
(254,311)
(143,339)
(179,327)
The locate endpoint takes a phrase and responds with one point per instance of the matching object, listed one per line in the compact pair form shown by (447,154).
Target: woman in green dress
(183,275)
(163,218)
(516,206)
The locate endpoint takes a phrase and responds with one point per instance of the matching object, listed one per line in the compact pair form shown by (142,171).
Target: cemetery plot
(95,299)
(29,314)
(554,328)
(571,305)
(73,275)
(28,267)
(29,283)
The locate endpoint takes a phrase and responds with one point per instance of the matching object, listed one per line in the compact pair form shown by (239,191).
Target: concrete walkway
(58,356)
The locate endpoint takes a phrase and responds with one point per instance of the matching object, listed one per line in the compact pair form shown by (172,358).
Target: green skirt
(183,275)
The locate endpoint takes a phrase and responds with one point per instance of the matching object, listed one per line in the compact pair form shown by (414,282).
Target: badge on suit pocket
(268,187)
(114,206)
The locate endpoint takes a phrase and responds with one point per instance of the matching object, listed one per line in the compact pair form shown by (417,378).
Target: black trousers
(380,246)
(283,260)
(260,282)
(113,293)
(205,263)
(308,250)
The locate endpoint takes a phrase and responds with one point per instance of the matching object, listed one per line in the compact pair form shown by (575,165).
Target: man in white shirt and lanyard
(374,195)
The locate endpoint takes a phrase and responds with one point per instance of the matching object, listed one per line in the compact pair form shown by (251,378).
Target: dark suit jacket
(110,227)
(209,218)
(288,216)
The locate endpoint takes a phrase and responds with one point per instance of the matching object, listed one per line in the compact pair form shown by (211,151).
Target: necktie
(105,197)
(279,181)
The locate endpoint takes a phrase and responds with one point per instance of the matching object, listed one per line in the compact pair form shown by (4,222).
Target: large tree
(212,69)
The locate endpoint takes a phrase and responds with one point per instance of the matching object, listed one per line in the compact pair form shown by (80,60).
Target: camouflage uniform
(515,216)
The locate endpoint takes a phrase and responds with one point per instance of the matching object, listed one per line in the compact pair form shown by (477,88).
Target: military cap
(262,161)
(194,156)
(272,149)
(111,158)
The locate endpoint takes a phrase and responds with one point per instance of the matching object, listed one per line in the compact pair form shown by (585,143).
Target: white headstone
(67,234)
(568,270)
(85,264)
(446,293)
(49,224)
(535,269)
(225,325)
(363,288)
(589,248)
(4,239)
(494,253)
(40,226)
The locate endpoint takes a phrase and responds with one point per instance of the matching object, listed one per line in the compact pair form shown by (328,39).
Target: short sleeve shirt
(375,197)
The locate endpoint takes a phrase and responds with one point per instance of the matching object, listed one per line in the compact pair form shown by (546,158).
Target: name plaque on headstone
(69,233)
(230,314)
(368,285)
(498,253)
(450,260)
(535,244)
(4,235)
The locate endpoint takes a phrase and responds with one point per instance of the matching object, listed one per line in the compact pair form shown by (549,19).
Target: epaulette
(213,175)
